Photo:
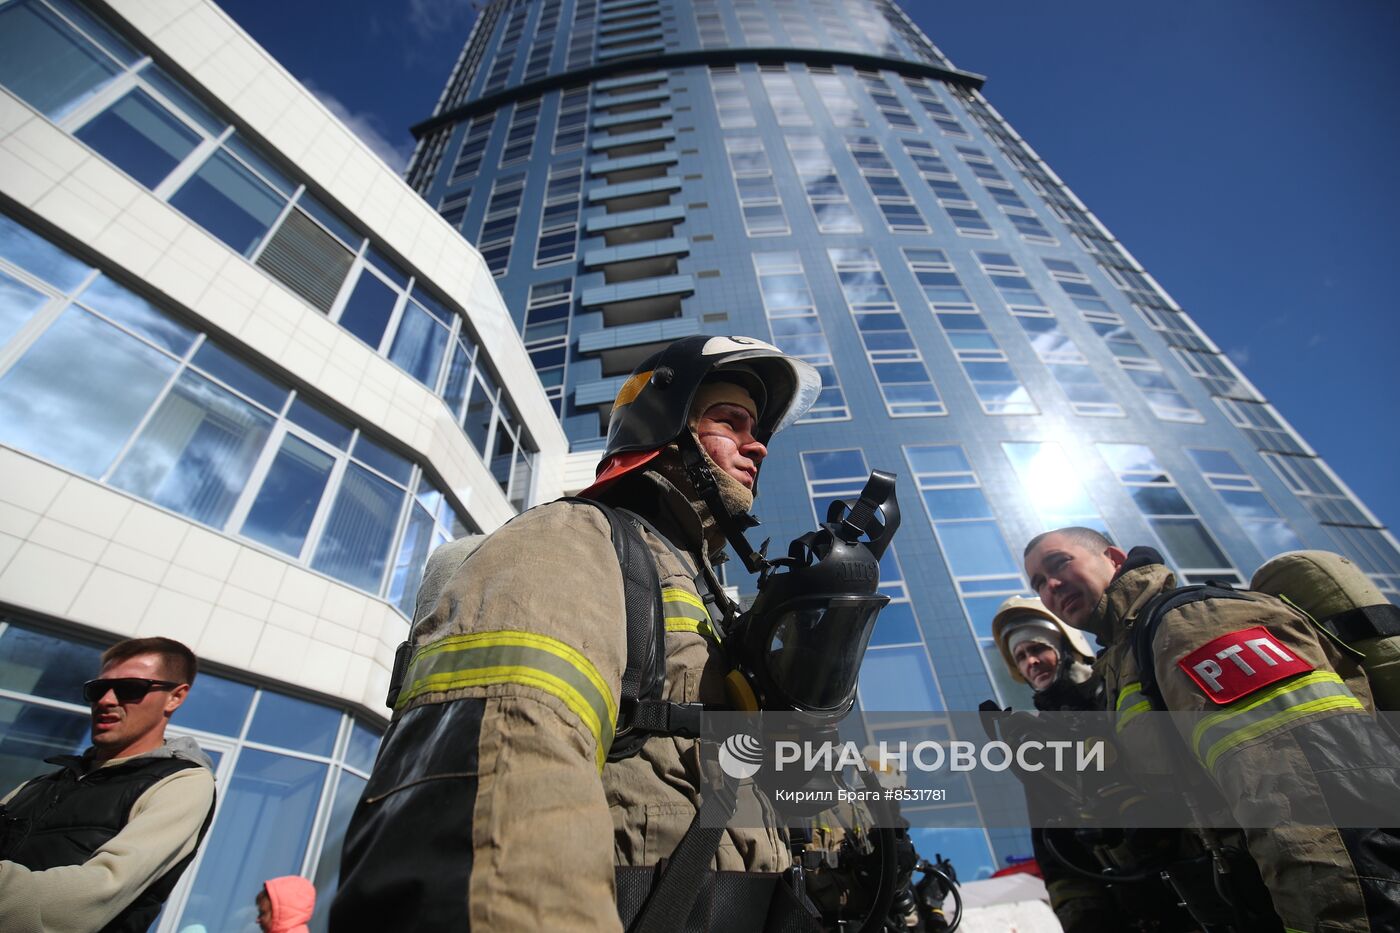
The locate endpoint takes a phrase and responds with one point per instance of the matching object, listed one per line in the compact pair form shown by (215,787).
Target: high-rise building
(817,173)
(248,379)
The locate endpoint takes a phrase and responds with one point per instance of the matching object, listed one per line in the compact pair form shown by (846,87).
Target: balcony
(598,392)
(646,78)
(629,144)
(621,51)
(653,223)
(613,103)
(622,348)
(640,301)
(672,246)
(635,195)
(634,168)
(617,121)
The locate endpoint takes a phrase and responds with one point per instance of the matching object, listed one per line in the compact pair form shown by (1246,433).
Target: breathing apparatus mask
(798,648)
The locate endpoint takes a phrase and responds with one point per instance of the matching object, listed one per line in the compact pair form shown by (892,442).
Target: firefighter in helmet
(504,796)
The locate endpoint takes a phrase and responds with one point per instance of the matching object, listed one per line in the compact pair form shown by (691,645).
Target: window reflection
(79,418)
(327,875)
(296,724)
(261,832)
(287,502)
(196,452)
(29,734)
(92,379)
(140,137)
(45,63)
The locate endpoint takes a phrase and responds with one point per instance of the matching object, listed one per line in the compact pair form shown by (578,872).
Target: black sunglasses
(127,689)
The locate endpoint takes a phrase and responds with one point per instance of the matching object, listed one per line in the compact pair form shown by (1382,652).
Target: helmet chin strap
(702,478)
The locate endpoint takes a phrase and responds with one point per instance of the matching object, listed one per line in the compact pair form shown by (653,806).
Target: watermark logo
(741,756)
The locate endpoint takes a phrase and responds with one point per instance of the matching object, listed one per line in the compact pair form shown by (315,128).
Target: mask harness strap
(702,478)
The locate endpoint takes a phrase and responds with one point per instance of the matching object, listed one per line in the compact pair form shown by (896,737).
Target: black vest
(62,818)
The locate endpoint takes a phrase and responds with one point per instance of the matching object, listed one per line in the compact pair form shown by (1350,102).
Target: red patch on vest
(1240,663)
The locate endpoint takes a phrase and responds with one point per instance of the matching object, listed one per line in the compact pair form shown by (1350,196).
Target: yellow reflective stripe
(1277,720)
(694,626)
(674,594)
(685,612)
(1128,690)
(1128,715)
(1215,719)
(525,658)
(1319,692)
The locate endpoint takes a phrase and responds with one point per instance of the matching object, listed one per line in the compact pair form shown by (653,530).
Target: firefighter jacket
(1263,743)
(492,805)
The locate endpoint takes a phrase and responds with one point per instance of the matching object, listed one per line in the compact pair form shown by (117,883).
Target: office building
(817,173)
(248,379)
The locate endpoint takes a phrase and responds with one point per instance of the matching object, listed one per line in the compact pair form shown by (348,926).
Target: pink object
(293,898)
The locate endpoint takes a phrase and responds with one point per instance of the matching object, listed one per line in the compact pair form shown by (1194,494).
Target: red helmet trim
(618,466)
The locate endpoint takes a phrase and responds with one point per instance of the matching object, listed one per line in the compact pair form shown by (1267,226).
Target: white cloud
(431,16)
(1239,356)
(365,126)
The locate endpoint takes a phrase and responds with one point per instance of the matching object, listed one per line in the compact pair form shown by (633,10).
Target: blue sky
(1245,152)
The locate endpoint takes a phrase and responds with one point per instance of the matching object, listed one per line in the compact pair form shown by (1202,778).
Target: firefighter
(493,803)
(1055,661)
(1282,724)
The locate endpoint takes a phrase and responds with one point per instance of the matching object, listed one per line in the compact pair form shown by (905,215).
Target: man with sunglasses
(99,843)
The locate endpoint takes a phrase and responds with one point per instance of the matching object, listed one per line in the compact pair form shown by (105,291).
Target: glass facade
(65,62)
(855,198)
(288,771)
(172,415)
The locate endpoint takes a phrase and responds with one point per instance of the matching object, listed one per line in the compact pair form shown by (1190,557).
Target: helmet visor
(815,648)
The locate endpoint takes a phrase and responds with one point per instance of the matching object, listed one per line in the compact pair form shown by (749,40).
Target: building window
(1262,425)
(1021,217)
(904,380)
(1187,544)
(166,413)
(797,328)
(1313,483)
(1246,502)
(937,111)
(498,226)
(984,363)
(825,193)
(732,107)
(1060,354)
(572,127)
(758,193)
(474,143)
(138,117)
(783,97)
(901,214)
(889,105)
(520,137)
(840,103)
(546,335)
(582,34)
(453,207)
(1132,357)
(984,570)
(1052,485)
(896,674)
(966,217)
(558,240)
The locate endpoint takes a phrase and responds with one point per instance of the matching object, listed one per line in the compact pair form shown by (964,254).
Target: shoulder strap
(644,679)
(1144,630)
